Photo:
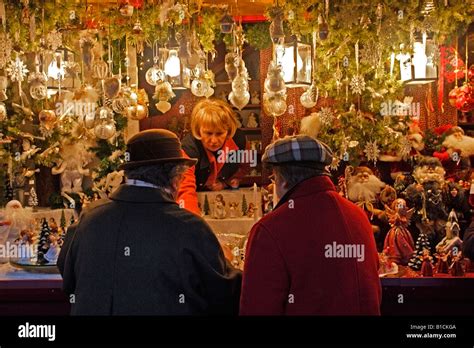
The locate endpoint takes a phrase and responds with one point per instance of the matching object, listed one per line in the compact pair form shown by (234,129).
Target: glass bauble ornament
(163,106)
(112,87)
(239,100)
(199,87)
(105,129)
(100,69)
(274,105)
(137,112)
(309,98)
(209,93)
(154,75)
(47,119)
(240,84)
(38,90)
(119,105)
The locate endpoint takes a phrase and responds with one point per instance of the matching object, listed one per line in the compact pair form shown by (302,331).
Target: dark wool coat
(140,254)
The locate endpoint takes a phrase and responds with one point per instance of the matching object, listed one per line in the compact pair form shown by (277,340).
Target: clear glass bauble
(200,87)
(38,90)
(239,100)
(105,129)
(309,98)
(154,75)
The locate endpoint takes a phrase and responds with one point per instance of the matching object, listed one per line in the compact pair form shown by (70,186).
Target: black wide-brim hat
(154,146)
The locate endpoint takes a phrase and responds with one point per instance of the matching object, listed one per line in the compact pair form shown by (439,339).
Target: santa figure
(458,148)
(457,141)
(363,188)
(427,196)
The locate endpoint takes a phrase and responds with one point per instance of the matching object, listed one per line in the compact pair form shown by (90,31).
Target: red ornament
(92,24)
(470,74)
(136,3)
(465,102)
(453,96)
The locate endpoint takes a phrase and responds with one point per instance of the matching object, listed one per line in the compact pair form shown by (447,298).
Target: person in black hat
(139,253)
(315,253)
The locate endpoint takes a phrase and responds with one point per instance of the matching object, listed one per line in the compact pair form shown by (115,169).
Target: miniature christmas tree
(8,188)
(244,206)
(207,209)
(417,258)
(43,241)
(33,199)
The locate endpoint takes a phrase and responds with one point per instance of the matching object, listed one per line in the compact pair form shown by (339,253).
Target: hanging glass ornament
(163,93)
(274,83)
(100,69)
(136,112)
(38,88)
(230,65)
(309,98)
(105,129)
(274,105)
(199,87)
(119,105)
(47,119)
(239,100)
(112,87)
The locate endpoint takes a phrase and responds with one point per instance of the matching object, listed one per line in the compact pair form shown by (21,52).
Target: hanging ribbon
(442,65)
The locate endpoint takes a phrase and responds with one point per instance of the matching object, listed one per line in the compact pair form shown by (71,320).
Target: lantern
(423,67)
(295,58)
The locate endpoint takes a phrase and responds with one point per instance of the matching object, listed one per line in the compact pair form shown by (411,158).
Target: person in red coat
(315,253)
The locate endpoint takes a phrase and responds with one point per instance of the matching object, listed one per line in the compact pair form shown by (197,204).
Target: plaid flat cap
(298,150)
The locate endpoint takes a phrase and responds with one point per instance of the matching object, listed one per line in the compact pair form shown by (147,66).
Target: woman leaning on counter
(213,128)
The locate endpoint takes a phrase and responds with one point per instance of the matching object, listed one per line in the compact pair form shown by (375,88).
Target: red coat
(287,268)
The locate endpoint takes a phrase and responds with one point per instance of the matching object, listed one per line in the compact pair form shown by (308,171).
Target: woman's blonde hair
(213,113)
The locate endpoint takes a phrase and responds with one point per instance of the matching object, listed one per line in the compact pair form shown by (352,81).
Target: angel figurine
(71,167)
(451,241)
(233,211)
(219,207)
(398,244)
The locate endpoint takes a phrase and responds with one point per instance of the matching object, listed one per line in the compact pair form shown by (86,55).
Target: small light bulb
(172,65)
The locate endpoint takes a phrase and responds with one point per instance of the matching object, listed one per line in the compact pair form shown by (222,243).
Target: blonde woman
(213,132)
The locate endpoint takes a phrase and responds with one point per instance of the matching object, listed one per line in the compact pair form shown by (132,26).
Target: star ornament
(357,84)
(17,70)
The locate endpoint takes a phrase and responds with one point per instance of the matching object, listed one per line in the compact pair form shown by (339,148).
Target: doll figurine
(251,210)
(398,242)
(443,265)
(427,266)
(451,241)
(219,207)
(255,98)
(252,120)
(53,252)
(457,269)
(233,211)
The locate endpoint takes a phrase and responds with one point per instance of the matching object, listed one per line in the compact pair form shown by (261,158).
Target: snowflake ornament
(326,115)
(357,84)
(335,163)
(372,151)
(54,39)
(5,49)
(17,70)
